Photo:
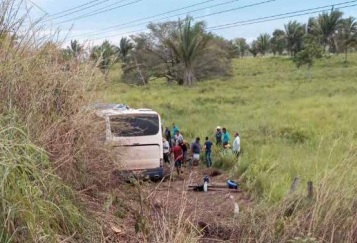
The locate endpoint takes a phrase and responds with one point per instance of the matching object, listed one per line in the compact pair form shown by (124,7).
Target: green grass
(36,206)
(289,126)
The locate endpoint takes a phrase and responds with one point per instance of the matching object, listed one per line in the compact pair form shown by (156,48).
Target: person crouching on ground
(208,149)
(196,150)
(236,144)
(166,148)
(178,156)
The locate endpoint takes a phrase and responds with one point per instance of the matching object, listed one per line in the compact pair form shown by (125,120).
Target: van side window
(134,125)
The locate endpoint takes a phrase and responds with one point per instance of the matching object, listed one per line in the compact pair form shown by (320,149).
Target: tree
(294,33)
(215,61)
(125,46)
(142,62)
(278,42)
(159,34)
(347,35)
(311,50)
(74,48)
(241,46)
(263,43)
(105,55)
(254,48)
(188,44)
(328,24)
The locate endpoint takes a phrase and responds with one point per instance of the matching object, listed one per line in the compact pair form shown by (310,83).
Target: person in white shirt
(178,137)
(236,144)
(166,148)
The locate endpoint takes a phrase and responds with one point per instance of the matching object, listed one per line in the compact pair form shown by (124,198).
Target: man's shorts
(196,156)
(166,157)
(178,163)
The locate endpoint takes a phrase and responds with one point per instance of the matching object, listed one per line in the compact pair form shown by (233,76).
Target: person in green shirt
(226,137)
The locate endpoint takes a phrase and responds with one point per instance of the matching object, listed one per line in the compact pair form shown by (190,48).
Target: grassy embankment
(290,127)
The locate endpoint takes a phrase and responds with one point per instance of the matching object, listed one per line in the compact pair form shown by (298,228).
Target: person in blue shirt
(208,149)
(226,137)
(175,129)
(196,151)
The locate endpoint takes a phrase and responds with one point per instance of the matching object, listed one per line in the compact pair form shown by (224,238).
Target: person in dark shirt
(208,149)
(168,136)
(218,136)
(196,150)
(178,156)
(184,148)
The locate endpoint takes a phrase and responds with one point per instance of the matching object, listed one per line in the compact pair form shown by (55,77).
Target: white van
(136,134)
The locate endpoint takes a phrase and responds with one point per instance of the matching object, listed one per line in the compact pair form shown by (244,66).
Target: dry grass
(46,98)
(51,97)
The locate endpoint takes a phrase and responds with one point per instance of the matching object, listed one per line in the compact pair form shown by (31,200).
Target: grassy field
(289,126)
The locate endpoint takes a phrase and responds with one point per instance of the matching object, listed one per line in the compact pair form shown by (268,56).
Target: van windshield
(134,125)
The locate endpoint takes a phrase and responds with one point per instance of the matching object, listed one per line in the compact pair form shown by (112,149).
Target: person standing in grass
(196,150)
(184,148)
(175,129)
(218,135)
(166,148)
(168,136)
(226,137)
(236,144)
(178,156)
(178,137)
(208,149)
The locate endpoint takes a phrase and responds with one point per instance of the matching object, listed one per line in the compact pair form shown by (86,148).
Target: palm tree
(253,48)
(105,55)
(263,43)
(187,45)
(74,48)
(241,46)
(347,35)
(294,33)
(278,42)
(125,46)
(328,24)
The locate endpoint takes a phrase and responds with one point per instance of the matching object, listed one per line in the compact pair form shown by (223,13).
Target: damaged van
(136,137)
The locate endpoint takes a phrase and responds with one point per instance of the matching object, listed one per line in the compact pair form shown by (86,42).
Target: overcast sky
(124,11)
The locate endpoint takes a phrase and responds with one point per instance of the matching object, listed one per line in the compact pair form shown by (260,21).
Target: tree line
(185,52)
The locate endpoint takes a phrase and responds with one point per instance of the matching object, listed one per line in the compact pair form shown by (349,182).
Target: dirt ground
(122,220)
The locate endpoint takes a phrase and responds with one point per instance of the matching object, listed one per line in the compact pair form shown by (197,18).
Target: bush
(224,159)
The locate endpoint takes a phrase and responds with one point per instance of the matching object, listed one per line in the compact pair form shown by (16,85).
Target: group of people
(176,145)
(223,138)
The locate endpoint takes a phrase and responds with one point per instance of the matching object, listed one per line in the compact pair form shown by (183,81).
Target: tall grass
(58,146)
(51,96)
(36,205)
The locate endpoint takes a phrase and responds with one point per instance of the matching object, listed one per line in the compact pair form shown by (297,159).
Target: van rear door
(138,140)
(139,157)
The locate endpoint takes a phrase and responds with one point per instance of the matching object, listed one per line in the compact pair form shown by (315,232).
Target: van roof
(113,112)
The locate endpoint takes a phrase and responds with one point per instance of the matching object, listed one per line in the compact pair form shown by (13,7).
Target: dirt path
(214,208)
(174,200)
